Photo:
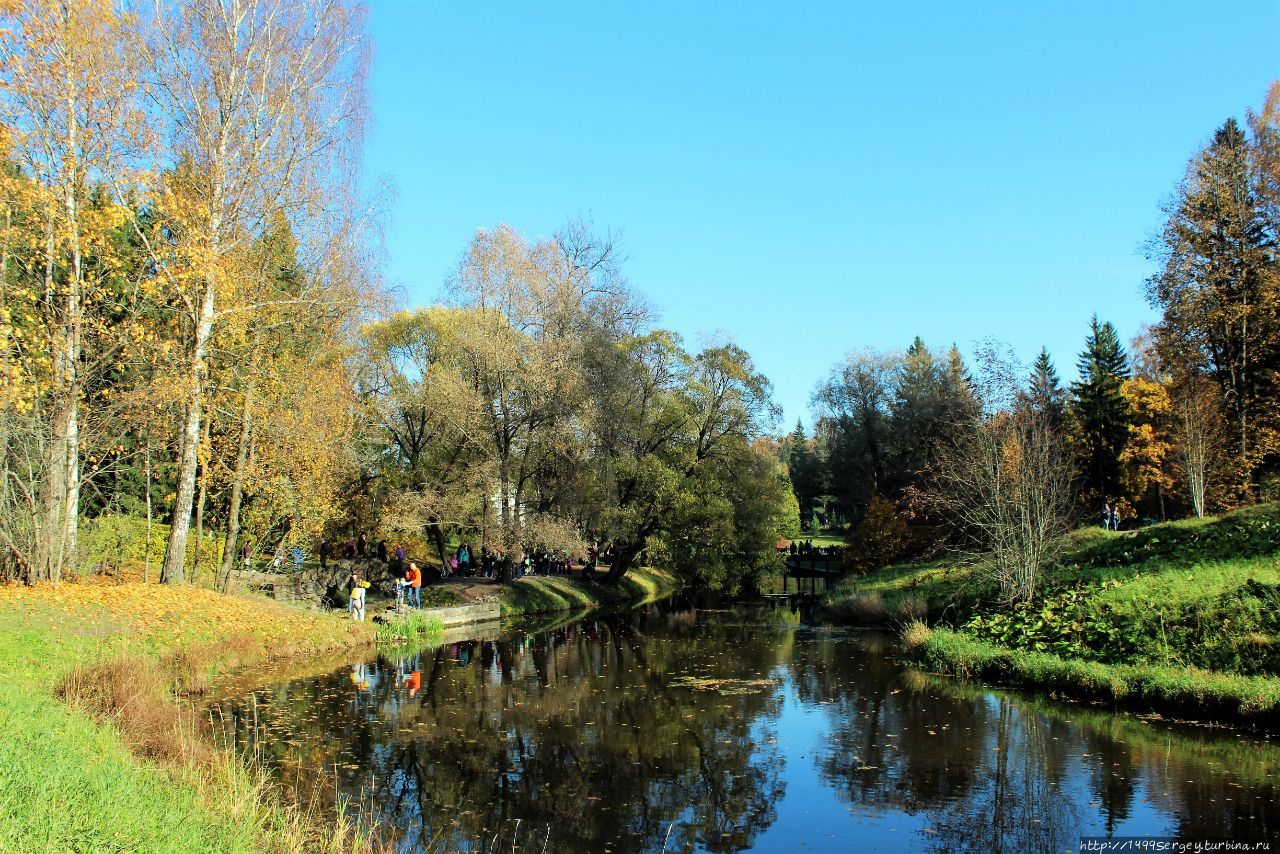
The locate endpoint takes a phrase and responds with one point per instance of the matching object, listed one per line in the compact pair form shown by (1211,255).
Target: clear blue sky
(815,177)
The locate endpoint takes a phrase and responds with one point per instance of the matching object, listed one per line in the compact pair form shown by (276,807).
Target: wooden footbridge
(810,568)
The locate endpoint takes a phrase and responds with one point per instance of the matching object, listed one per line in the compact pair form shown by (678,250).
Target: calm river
(672,728)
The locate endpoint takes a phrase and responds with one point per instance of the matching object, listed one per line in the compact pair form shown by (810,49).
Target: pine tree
(1100,413)
(1045,393)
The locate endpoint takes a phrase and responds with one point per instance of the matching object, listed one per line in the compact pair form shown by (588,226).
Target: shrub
(916,634)
(881,538)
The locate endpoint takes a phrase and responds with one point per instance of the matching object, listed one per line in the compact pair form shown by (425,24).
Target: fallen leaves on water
(723,686)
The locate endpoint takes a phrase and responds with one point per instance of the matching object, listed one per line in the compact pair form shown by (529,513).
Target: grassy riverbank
(535,595)
(100,755)
(98,700)
(1182,617)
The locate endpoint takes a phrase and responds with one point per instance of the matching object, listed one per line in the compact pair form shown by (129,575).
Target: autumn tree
(263,99)
(417,399)
(1200,434)
(1147,460)
(1005,482)
(71,107)
(1217,291)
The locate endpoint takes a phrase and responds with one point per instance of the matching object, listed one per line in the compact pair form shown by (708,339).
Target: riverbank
(539,595)
(96,681)
(100,754)
(535,594)
(1180,618)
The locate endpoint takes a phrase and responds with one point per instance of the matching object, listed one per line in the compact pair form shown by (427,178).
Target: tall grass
(412,627)
(138,698)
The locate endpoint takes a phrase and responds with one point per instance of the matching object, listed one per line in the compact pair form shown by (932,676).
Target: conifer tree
(1045,393)
(1100,413)
(805,470)
(958,399)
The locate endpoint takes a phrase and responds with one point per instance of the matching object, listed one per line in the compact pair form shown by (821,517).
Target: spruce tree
(1045,393)
(1100,413)
(958,401)
(805,470)
(915,412)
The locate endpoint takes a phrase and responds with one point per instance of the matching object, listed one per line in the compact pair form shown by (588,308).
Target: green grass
(413,627)
(824,537)
(71,780)
(1183,691)
(542,595)
(68,784)
(1170,613)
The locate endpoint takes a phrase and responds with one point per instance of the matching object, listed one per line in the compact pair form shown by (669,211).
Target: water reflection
(680,729)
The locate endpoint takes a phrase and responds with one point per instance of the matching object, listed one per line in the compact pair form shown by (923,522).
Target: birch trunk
(200,502)
(174,569)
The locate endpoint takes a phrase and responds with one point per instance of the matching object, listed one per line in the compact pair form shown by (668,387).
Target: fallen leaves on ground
(180,615)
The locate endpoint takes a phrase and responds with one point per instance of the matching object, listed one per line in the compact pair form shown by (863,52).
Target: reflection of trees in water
(986,777)
(1018,801)
(1210,785)
(572,731)
(988,772)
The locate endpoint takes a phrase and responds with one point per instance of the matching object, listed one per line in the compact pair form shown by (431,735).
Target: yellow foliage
(1147,455)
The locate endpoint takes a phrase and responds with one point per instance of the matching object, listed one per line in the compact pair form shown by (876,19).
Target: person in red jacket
(413,575)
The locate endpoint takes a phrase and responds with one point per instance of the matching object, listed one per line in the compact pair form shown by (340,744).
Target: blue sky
(814,177)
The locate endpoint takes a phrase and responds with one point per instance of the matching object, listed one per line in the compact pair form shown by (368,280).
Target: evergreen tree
(1100,413)
(916,412)
(805,471)
(958,402)
(1045,393)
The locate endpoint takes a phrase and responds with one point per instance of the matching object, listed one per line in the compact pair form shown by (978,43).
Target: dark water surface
(725,730)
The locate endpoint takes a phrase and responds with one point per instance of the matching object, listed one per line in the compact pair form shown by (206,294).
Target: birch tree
(71,105)
(263,101)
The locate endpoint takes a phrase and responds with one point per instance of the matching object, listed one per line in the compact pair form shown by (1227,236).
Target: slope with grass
(1183,617)
(538,595)
(99,755)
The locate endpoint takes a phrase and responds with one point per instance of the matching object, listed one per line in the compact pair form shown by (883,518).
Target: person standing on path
(324,552)
(413,575)
(355,589)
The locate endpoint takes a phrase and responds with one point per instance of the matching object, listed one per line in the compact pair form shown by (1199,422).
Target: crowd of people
(806,550)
